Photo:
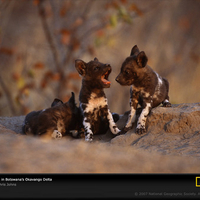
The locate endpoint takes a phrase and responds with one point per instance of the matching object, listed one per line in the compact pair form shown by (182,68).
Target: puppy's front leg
(113,127)
(132,115)
(143,117)
(87,119)
(88,129)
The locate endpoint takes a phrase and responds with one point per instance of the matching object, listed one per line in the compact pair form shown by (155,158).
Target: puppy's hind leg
(166,102)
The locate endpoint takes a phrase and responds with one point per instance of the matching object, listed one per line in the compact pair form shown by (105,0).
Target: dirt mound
(171,145)
(174,130)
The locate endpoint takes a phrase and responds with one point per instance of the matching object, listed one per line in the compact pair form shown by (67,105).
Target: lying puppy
(147,88)
(97,118)
(57,121)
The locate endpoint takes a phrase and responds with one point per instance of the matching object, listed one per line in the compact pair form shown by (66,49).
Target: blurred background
(40,39)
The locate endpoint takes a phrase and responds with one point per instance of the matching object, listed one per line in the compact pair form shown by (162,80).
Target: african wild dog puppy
(57,121)
(97,118)
(148,89)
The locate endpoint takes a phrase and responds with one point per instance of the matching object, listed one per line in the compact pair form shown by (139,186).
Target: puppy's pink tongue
(104,80)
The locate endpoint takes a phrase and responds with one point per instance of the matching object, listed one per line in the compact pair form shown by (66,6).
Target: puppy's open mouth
(104,78)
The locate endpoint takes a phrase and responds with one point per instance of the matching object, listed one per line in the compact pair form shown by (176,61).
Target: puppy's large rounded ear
(96,59)
(135,50)
(56,102)
(142,59)
(80,67)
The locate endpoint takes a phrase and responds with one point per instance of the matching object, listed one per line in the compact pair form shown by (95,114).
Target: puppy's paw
(115,130)
(167,104)
(140,129)
(89,137)
(56,135)
(74,133)
(124,130)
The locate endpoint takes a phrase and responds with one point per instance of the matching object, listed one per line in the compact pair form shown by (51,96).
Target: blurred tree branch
(49,37)
(71,29)
(8,96)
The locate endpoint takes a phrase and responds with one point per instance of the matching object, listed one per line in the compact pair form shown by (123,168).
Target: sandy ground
(171,145)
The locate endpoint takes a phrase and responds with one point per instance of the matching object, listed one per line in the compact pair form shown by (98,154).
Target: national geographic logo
(198,181)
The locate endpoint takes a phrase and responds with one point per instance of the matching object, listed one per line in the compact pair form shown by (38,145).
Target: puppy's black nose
(117,79)
(107,65)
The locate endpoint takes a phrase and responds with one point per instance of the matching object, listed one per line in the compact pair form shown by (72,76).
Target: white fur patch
(143,116)
(157,89)
(131,118)
(95,102)
(166,101)
(160,82)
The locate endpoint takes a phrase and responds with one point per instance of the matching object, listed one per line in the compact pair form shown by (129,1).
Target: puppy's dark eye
(96,68)
(127,72)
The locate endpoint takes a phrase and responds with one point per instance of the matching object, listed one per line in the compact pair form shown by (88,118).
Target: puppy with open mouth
(97,118)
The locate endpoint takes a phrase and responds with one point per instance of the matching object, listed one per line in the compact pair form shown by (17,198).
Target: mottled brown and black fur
(97,118)
(56,121)
(148,89)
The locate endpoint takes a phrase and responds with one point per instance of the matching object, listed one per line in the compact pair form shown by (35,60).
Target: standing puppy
(97,118)
(147,88)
